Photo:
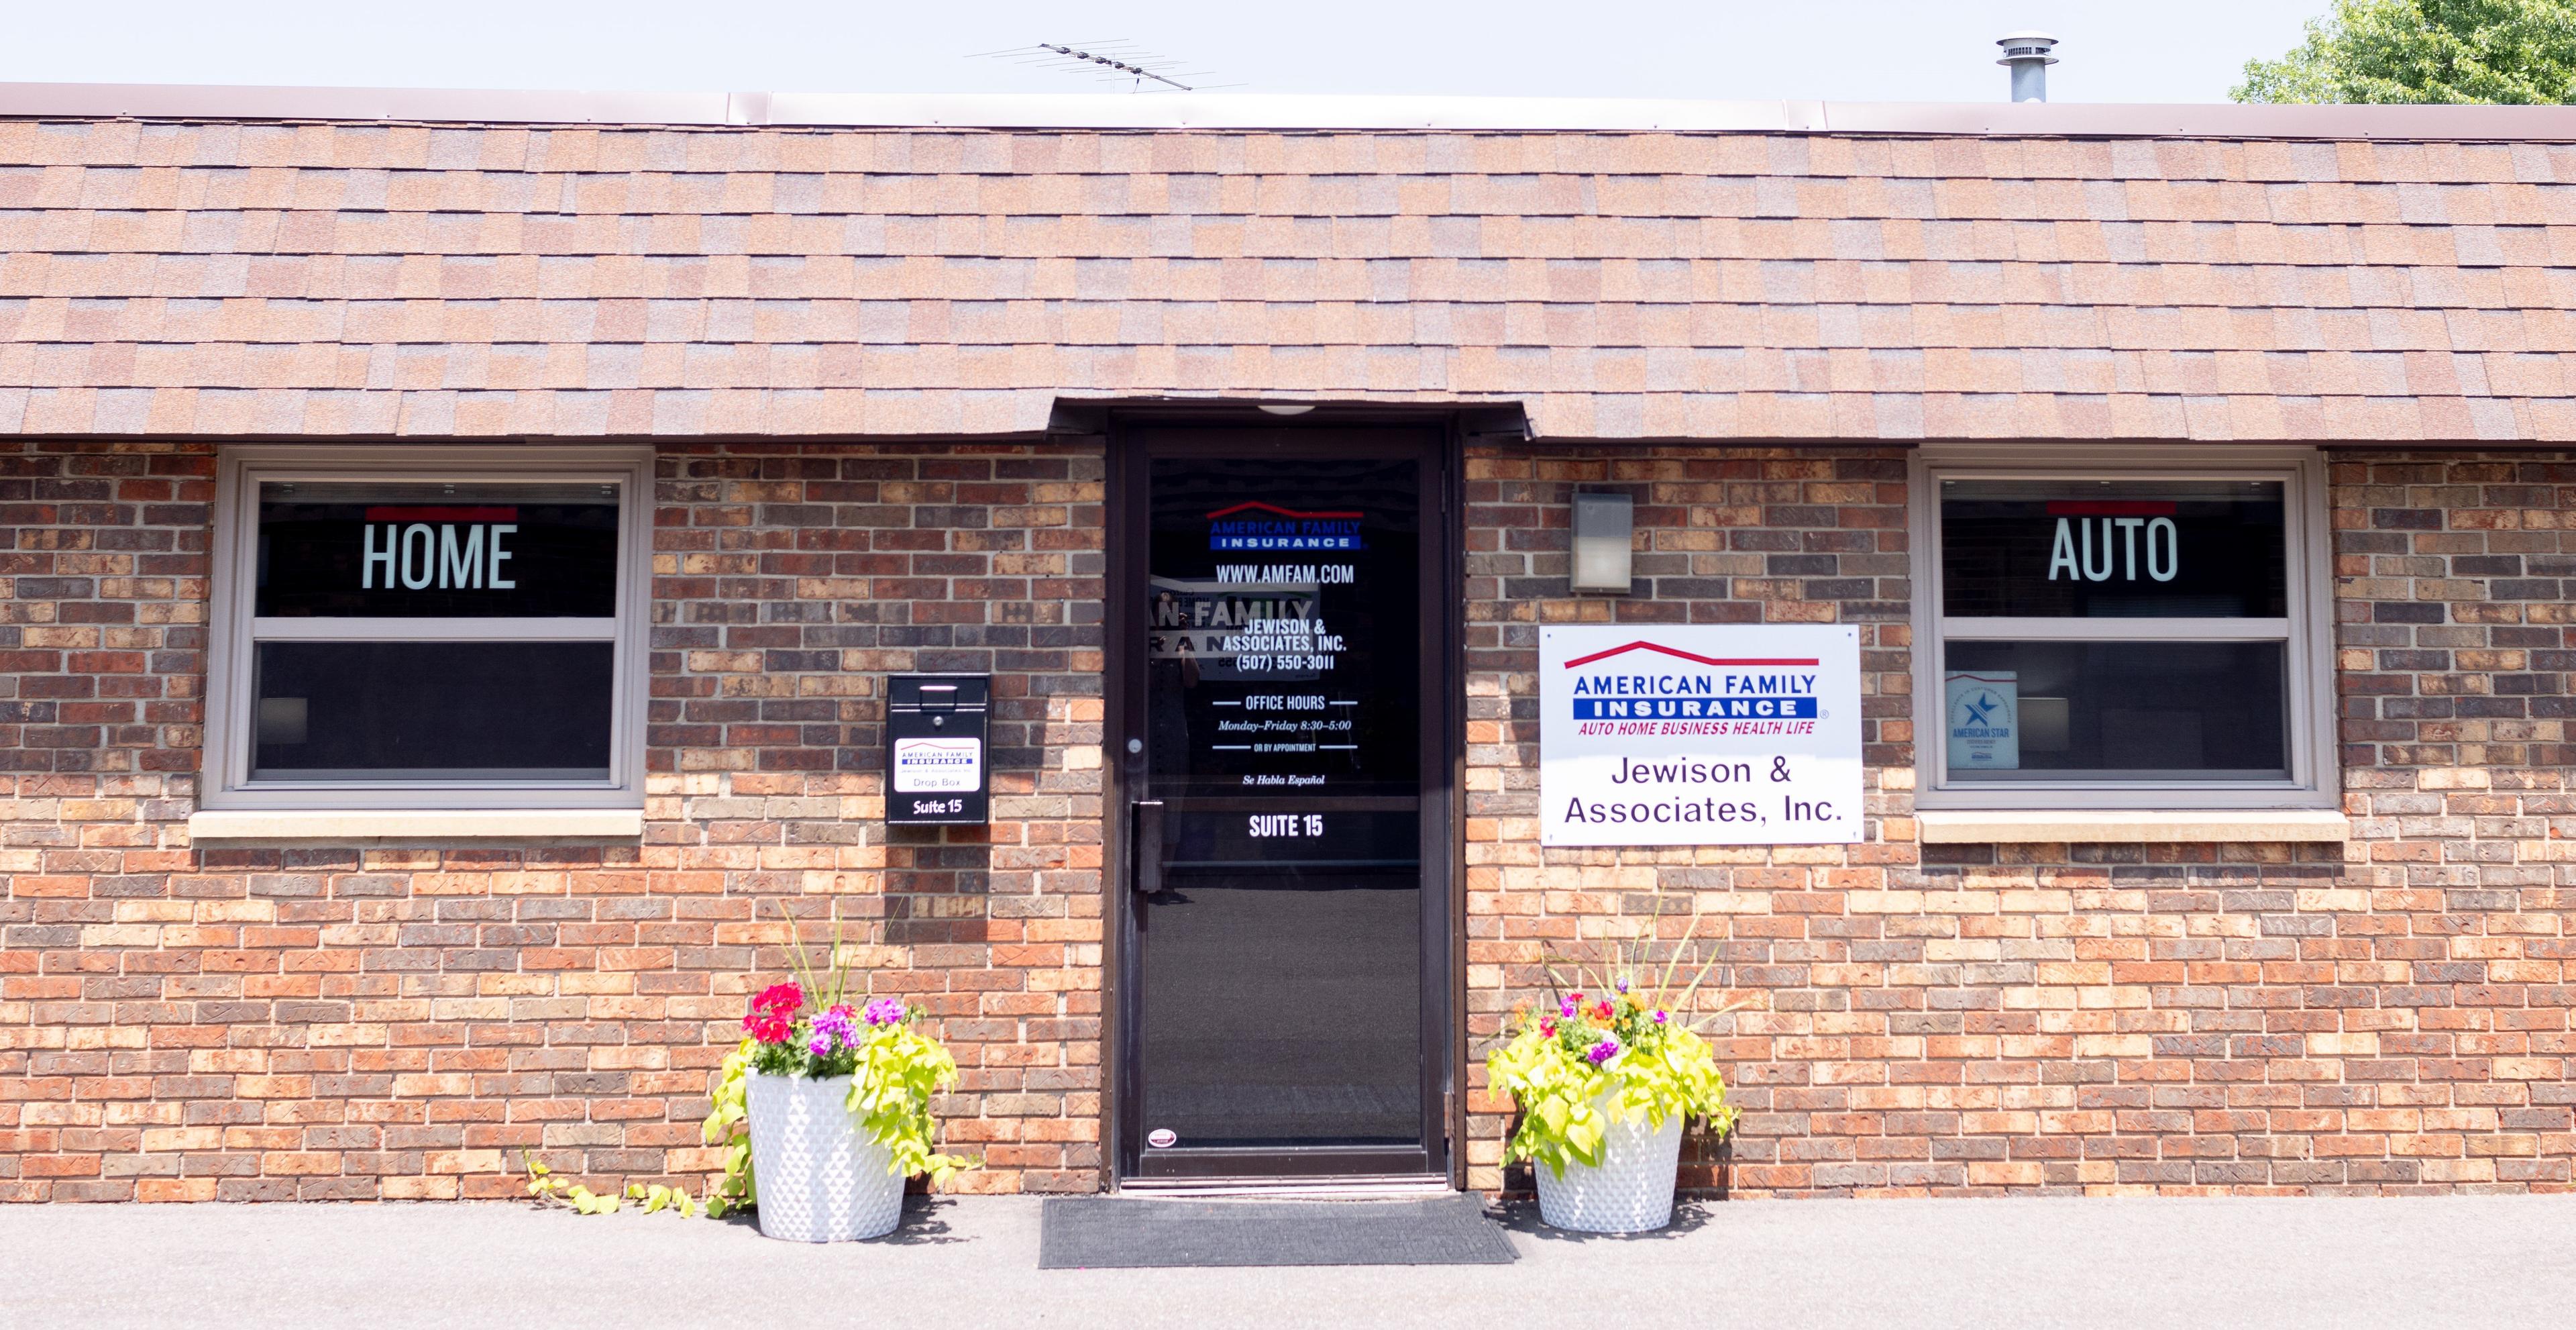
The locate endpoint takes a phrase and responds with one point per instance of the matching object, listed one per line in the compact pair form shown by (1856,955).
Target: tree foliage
(2516,52)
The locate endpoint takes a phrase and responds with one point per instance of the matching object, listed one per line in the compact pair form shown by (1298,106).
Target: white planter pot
(818,1179)
(1630,1191)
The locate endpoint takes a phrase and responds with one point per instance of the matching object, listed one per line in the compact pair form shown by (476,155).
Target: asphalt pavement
(2133,1263)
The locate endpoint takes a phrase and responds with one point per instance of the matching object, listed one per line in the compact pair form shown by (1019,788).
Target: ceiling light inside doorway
(1287,408)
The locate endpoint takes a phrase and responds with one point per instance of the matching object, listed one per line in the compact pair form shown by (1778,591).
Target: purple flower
(831,1027)
(1659,1018)
(885,1011)
(1603,1051)
(1623,985)
(1566,1008)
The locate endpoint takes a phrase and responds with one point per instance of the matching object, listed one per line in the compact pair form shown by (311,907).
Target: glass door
(1284,776)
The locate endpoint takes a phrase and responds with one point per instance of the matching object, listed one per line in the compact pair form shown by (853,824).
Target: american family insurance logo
(936,765)
(1258,526)
(1647,680)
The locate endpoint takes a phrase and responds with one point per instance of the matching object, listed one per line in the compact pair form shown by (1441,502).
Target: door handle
(1149,846)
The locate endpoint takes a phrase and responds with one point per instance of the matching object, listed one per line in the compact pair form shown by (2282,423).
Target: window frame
(233,633)
(2306,631)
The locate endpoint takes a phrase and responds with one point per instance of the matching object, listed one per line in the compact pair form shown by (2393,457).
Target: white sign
(935,766)
(1982,710)
(1699,736)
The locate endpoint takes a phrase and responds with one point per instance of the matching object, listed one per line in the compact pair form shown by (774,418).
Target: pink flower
(782,999)
(1659,1017)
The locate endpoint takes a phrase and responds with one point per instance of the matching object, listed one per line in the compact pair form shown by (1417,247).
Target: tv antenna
(1117,61)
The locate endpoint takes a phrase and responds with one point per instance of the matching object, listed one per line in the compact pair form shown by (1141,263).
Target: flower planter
(820,1180)
(1566,1069)
(1630,1191)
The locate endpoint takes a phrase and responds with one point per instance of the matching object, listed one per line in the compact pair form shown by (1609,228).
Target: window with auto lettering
(2113,549)
(2113,630)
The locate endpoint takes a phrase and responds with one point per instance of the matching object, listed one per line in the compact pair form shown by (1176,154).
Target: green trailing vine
(728,1124)
(544,1188)
(657,1198)
(899,1070)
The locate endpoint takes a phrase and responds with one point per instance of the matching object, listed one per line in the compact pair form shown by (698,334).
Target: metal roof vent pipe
(2028,54)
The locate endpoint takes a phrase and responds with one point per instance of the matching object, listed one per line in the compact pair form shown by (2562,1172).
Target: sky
(1833,50)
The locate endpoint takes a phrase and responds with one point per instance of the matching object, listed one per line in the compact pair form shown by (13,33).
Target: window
(2146,634)
(452,628)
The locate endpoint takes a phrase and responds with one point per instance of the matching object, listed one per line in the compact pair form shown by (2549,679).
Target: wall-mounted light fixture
(1603,527)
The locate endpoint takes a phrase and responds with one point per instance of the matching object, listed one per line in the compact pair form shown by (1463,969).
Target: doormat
(1100,1232)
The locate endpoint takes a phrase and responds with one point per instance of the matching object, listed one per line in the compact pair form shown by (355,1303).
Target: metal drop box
(938,771)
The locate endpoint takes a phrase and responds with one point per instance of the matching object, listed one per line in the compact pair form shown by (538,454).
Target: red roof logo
(1258,506)
(1685,655)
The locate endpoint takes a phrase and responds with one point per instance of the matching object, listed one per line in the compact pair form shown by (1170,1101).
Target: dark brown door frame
(1239,433)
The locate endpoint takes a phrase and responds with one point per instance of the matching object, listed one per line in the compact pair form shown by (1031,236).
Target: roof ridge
(1285,112)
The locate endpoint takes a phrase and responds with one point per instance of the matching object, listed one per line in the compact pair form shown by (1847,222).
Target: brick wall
(275,1023)
(787,581)
(102,641)
(2389,1015)
(2450,947)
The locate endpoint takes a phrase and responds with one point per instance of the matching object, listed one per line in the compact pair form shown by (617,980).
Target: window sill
(371,825)
(2130,827)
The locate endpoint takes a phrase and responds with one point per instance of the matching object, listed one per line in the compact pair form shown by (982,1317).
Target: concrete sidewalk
(2131,1263)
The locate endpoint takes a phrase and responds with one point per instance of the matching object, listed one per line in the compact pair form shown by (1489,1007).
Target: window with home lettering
(412,629)
(2143,635)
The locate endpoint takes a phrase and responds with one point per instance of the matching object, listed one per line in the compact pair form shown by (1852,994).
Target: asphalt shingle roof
(281,279)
